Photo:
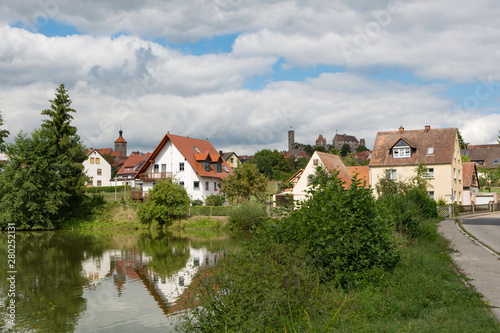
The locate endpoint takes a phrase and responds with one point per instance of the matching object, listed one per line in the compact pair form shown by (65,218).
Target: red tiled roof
(192,149)
(469,170)
(345,137)
(363,172)
(334,162)
(120,139)
(104,151)
(441,139)
(133,161)
(362,156)
(486,154)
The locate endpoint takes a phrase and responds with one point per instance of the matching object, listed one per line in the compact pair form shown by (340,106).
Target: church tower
(121,144)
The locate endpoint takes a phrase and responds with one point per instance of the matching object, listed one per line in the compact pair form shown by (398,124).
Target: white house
(97,169)
(330,162)
(194,163)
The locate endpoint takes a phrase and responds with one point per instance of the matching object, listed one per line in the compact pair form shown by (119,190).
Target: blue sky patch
(48,27)
(215,45)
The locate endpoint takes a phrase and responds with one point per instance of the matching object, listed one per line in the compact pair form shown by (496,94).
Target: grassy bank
(424,293)
(110,215)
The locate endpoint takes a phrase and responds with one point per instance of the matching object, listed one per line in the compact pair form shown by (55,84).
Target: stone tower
(121,144)
(291,141)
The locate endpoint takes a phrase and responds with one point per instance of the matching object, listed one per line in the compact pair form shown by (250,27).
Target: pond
(104,281)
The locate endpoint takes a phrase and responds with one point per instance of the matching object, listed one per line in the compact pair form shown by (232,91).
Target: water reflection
(106,281)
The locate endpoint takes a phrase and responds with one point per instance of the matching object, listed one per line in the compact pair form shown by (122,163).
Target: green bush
(215,200)
(167,200)
(342,230)
(247,216)
(253,290)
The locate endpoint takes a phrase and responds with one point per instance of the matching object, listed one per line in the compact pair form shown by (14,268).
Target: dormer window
(207,165)
(219,166)
(401,150)
(430,151)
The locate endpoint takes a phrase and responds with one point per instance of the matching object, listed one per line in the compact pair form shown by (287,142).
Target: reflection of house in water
(132,266)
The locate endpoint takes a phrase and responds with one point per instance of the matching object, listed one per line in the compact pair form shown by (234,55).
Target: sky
(241,73)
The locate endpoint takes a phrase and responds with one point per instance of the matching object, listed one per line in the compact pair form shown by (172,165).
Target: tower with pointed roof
(121,144)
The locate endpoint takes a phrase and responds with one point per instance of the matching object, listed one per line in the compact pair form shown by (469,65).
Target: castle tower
(291,141)
(121,144)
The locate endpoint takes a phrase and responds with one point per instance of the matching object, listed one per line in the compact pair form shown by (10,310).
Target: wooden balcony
(138,195)
(152,176)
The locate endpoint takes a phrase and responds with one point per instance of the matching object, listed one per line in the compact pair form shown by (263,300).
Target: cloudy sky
(241,72)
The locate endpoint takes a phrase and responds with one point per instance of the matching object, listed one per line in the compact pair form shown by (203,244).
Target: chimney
(220,152)
(427,128)
(401,129)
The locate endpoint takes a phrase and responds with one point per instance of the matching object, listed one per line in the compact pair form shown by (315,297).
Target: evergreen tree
(3,134)
(65,150)
(346,150)
(461,141)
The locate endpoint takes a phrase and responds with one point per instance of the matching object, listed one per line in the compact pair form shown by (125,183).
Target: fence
(445,211)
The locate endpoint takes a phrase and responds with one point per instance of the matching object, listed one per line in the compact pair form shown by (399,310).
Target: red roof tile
(120,139)
(334,162)
(363,172)
(192,149)
(104,151)
(133,161)
(469,171)
(441,139)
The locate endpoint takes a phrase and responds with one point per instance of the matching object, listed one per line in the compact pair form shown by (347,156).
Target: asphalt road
(486,229)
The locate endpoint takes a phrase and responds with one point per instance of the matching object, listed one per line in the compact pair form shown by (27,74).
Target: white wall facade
(170,159)
(98,170)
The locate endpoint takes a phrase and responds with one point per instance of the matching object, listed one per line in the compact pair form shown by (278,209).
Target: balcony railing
(155,176)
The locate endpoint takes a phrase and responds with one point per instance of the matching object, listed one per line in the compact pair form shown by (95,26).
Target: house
(285,197)
(321,141)
(485,156)
(232,159)
(397,154)
(471,183)
(340,139)
(362,172)
(194,163)
(327,161)
(362,156)
(97,169)
(132,165)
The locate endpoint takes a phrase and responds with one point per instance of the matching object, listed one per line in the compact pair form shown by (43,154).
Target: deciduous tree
(245,182)
(3,134)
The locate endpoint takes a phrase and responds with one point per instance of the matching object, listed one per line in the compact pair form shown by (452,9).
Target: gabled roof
(362,172)
(192,150)
(320,138)
(227,155)
(469,170)
(345,137)
(293,180)
(485,153)
(104,151)
(442,140)
(134,161)
(334,162)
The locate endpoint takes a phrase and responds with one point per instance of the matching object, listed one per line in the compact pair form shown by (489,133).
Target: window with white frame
(430,151)
(207,186)
(215,186)
(196,185)
(429,174)
(391,173)
(431,194)
(401,150)
(495,161)
(181,166)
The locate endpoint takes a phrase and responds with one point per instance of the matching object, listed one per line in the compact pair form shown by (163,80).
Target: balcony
(152,176)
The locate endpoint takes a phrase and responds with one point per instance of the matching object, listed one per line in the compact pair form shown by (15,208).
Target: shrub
(215,200)
(253,290)
(247,216)
(167,200)
(341,229)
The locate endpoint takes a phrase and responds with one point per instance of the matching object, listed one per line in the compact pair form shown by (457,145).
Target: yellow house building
(397,154)
(232,159)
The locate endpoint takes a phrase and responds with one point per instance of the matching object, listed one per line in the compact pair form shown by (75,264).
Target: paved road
(479,265)
(486,229)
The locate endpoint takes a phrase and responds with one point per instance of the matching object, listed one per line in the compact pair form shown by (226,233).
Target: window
(91,160)
(315,161)
(232,160)
(196,185)
(430,151)
(90,182)
(401,150)
(495,161)
(99,172)
(181,183)
(156,168)
(219,166)
(454,173)
(99,183)
(207,186)
(391,173)
(181,281)
(196,149)
(215,186)
(459,175)
(207,165)
(181,166)
(429,174)
(97,160)
(431,194)
(163,168)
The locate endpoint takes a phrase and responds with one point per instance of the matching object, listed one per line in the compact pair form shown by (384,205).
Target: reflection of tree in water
(168,254)
(48,280)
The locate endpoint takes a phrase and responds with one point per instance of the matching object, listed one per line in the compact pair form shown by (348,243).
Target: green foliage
(247,216)
(346,150)
(266,160)
(334,151)
(196,203)
(362,148)
(167,200)
(407,203)
(351,160)
(253,290)
(245,182)
(3,134)
(465,159)
(342,230)
(215,200)
(461,141)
